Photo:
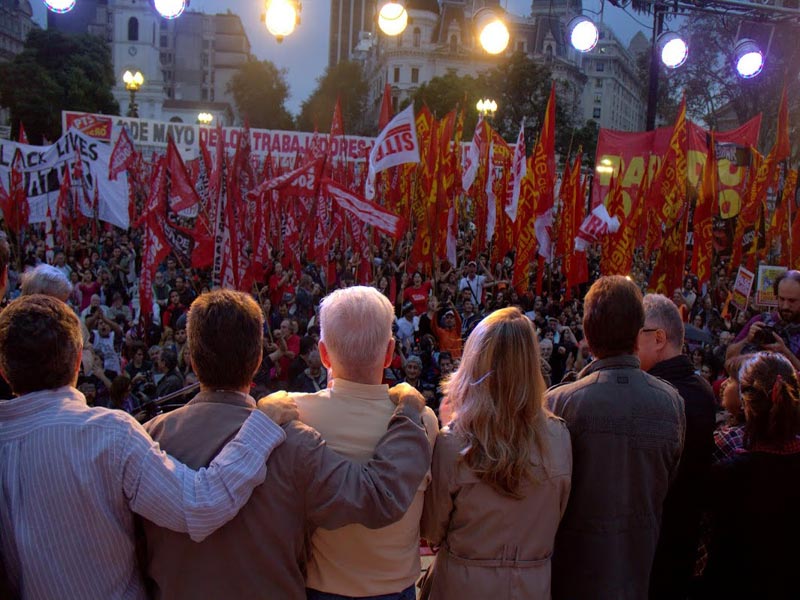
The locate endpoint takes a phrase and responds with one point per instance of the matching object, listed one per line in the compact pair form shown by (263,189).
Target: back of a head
(769,389)
(612,316)
(356,325)
(660,311)
(47,280)
(224,337)
(40,343)
(498,395)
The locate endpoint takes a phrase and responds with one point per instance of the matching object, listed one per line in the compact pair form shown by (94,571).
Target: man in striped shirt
(71,476)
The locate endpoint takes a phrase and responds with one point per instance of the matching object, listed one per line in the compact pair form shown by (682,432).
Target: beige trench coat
(494,547)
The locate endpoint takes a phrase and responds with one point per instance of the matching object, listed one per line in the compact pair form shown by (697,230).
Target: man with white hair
(47,280)
(356,344)
(660,351)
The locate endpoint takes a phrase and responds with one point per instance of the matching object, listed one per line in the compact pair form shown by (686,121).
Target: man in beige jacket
(351,415)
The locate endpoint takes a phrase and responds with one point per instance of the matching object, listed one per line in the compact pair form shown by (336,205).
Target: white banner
(395,145)
(151,136)
(44,169)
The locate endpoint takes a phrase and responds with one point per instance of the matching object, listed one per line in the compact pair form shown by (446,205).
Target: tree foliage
(443,94)
(260,91)
(344,81)
(57,71)
(521,87)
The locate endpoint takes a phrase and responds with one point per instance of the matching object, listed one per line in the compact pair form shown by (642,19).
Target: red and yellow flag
(667,193)
(706,207)
(667,274)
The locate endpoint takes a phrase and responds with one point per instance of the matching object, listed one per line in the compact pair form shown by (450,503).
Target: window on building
(598,83)
(521,46)
(396,74)
(414,75)
(400,41)
(600,66)
(598,98)
(417,37)
(205,95)
(596,113)
(453,43)
(133,29)
(163,41)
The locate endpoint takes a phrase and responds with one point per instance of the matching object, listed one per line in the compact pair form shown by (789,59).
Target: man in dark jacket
(660,353)
(627,432)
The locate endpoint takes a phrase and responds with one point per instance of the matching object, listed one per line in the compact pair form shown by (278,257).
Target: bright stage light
(281,18)
(672,49)
(583,34)
(59,6)
(748,59)
(492,31)
(170,9)
(392,18)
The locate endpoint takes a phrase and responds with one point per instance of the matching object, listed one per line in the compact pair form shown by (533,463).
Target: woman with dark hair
(756,493)
(501,471)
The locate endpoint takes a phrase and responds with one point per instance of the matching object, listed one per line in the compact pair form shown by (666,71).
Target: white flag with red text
(395,145)
(518,171)
(364,210)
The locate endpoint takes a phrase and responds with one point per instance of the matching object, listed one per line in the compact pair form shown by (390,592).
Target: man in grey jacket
(627,431)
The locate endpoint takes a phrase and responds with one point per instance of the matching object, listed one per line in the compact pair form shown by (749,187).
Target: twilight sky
(304,54)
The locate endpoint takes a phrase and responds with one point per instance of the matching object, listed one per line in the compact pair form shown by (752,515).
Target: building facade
(16,21)
(440,38)
(614,96)
(186,62)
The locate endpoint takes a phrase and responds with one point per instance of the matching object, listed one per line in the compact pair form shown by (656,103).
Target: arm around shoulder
(378,493)
(174,496)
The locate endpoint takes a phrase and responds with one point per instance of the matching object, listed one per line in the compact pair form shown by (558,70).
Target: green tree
(260,91)
(443,94)
(344,81)
(57,71)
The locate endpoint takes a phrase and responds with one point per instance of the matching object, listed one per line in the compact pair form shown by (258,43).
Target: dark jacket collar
(676,367)
(623,361)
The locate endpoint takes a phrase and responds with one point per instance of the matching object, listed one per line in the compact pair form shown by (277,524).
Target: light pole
(486,107)
(133,81)
(205,118)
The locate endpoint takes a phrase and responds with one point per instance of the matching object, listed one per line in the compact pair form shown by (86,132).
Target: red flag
(544,176)
(386,108)
(706,207)
(18,212)
(122,156)
(23,137)
(154,250)
(181,193)
(49,237)
(337,125)
(782,148)
(667,193)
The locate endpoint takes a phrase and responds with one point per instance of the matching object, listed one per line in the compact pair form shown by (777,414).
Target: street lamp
(170,9)
(205,118)
(486,107)
(133,81)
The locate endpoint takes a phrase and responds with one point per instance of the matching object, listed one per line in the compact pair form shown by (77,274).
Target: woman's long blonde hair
(497,394)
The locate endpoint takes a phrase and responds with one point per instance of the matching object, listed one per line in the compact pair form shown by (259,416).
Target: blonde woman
(501,471)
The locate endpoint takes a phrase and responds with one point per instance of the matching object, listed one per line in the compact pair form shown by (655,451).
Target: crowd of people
(611,445)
